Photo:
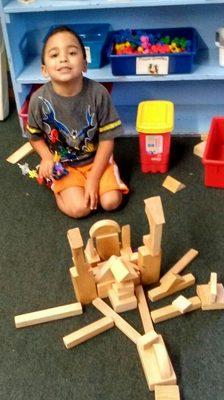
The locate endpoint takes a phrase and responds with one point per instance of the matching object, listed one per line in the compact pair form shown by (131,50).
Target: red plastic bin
(154,152)
(213,158)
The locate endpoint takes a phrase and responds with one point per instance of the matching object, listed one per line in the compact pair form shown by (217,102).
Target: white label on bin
(154,144)
(152,65)
(88,54)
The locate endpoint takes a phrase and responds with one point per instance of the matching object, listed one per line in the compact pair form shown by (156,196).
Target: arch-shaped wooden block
(104,227)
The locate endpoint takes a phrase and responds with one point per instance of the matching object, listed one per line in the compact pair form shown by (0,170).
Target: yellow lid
(155,117)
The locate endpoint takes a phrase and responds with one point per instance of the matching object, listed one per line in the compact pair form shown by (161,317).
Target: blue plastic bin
(94,37)
(178,63)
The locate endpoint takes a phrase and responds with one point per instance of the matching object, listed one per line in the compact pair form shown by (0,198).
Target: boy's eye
(53,55)
(73,53)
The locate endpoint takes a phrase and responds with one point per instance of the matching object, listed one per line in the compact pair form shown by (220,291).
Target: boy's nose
(63,58)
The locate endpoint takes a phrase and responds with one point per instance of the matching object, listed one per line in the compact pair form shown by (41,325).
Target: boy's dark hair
(62,28)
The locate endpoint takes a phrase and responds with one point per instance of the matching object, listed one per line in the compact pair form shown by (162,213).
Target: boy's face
(63,58)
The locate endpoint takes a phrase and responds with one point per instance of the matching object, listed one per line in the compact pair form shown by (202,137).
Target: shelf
(208,69)
(15,6)
(186,121)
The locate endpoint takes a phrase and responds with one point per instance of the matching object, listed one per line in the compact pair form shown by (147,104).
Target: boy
(73,118)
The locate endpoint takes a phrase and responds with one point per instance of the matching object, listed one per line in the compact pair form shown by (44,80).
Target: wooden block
(151,367)
(213,287)
(104,227)
(172,184)
(77,247)
(103,288)
(151,265)
(181,264)
(155,215)
(148,339)
(126,238)
(143,309)
(203,291)
(84,285)
(119,270)
(162,360)
(204,136)
(154,210)
(159,292)
(134,257)
(104,271)
(171,281)
(122,305)
(124,291)
(182,304)
(20,153)
(170,311)
(199,149)
(167,392)
(108,245)
(131,268)
(120,323)
(92,257)
(50,314)
(89,331)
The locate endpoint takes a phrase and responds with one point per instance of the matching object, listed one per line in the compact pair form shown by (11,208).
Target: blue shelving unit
(198,96)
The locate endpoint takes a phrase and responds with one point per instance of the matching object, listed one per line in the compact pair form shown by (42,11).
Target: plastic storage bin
(94,37)
(213,158)
(169,63)
(155,120)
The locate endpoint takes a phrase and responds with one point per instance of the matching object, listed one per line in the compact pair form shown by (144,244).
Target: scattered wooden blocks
(199,149)
(170,311)
(181,264)
(50,314)
(212,297)
(213,287)
(160,292)
(167,392)
(157,371)
(173,185)
(22,152)
(143,309)
(89,331)
(182,304)
(120,323)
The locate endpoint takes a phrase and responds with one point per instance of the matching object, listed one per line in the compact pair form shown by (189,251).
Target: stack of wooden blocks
(108,268)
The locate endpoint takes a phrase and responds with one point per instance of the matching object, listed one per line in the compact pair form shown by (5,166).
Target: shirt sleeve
(33,130)
(109,123)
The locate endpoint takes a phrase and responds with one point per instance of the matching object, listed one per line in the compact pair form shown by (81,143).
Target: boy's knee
(79,211)
(111,200)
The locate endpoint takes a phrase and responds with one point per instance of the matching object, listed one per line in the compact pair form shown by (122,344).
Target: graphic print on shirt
(72,145)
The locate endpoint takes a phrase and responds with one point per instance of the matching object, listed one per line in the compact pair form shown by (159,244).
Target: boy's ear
(44,71)
(84,69)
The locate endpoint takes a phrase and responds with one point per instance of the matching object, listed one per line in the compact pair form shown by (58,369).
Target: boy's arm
(103,154)
(47,158)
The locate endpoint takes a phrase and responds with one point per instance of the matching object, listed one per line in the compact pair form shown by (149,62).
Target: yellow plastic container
(155,117)
(155,120)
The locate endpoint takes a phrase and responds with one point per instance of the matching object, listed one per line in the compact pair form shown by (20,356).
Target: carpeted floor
(35,258)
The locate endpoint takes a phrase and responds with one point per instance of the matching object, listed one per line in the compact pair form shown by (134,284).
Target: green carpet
(35,257)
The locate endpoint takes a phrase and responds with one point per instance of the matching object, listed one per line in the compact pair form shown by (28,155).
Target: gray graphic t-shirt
(73,126)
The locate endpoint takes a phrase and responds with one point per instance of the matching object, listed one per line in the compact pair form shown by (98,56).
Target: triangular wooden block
(172,184)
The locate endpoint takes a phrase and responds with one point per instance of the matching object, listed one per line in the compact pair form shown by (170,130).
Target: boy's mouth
(64,69)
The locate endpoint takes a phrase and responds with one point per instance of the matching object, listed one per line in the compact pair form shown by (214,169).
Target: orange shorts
(110,180)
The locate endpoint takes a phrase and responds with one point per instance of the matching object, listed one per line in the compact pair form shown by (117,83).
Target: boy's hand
(91,193)
(46,168)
